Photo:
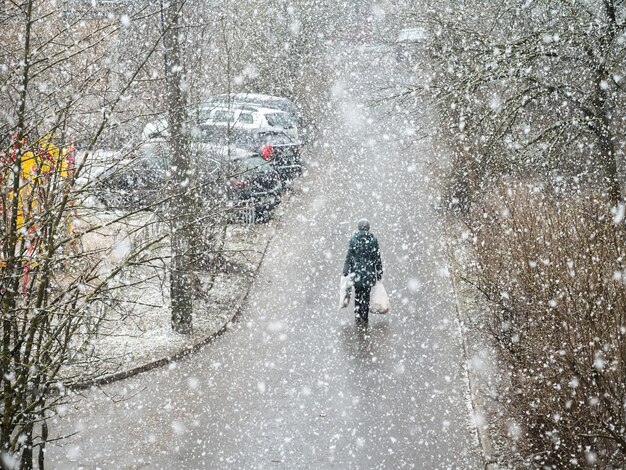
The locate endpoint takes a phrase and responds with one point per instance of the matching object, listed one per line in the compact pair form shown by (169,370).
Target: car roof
(247,108)
(264,100)
(412,34)
(258,97)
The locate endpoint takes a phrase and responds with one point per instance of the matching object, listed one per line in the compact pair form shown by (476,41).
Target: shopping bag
(379,300)
(345,291)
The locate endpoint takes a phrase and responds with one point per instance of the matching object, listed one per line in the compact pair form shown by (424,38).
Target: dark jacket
(363,259)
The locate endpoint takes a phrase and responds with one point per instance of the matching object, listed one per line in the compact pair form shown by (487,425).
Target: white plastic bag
(379,300)
(345,291)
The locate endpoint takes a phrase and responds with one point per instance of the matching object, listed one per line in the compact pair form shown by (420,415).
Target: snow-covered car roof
(206,115)
(258,97)
(155,129)
(248,108)
(249,117)
(268,101)
(411,35)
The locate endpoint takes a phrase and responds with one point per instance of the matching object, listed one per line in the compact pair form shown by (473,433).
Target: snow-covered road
(295,384)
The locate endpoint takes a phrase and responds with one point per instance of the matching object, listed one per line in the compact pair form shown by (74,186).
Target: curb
(186,351)
(481,430)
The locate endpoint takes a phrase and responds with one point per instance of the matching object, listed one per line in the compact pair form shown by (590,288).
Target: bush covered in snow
(552,270)
(530,99)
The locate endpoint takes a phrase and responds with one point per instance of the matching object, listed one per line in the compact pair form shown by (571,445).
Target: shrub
(552,269)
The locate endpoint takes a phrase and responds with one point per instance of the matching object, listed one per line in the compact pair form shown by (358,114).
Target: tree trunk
(605,135)
(27,452)
(609,159)
(182,202)
(11,272)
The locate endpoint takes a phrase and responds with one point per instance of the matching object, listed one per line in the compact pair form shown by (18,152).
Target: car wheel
(263,215)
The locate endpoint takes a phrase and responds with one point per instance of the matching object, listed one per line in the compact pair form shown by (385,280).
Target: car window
(282,105)
(246,118)
(223,115)
(279,120)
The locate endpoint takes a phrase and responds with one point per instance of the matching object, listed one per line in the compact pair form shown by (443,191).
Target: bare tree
(530,87)
(182,206)
(51,287)
(530,99)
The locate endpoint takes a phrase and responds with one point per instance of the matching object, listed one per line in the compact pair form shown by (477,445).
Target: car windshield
(223,115)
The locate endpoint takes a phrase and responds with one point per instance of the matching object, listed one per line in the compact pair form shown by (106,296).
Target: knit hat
(363,224)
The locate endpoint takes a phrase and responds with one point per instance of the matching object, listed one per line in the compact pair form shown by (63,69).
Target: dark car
(255,188)
(141,180)
(278,148)
(250,185)
(134,181)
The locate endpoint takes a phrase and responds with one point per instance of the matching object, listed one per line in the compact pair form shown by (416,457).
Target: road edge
(484,439)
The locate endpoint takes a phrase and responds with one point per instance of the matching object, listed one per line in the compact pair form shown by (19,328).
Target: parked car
(141,180)
(278,148)
(251,185)
(234,114)
(263,101)
(251,117)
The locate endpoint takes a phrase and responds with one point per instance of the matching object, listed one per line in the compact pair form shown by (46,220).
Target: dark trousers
(362,302)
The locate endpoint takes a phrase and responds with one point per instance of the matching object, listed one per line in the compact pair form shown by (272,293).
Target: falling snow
(179,185)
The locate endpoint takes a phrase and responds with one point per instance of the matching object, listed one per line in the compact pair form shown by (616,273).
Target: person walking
(364,265)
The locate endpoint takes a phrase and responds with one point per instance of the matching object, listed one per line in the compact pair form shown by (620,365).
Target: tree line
(530,101)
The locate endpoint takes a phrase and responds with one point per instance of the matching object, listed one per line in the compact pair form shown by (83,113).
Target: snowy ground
(136,327)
